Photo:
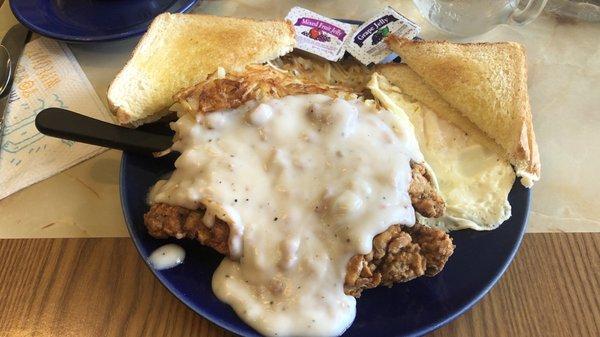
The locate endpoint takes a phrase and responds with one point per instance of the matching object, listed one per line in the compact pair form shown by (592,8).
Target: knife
(11,49)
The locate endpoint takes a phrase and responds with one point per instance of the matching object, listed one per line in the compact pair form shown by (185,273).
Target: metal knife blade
(13,43)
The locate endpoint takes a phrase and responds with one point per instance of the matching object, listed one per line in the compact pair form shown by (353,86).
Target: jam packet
(318,34)
(367,42)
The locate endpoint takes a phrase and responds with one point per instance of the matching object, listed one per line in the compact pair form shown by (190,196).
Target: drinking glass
(474,17)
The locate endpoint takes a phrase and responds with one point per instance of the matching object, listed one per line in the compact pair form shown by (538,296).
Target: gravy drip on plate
(167,256)
(304,182)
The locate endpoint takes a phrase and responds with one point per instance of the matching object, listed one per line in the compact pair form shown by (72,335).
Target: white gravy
(304,182)
(167,256)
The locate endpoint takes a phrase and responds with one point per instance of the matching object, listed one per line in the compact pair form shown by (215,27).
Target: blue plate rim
(496,278)
(230,327)
(187,6)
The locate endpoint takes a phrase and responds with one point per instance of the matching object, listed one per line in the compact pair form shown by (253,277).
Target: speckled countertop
(564,87)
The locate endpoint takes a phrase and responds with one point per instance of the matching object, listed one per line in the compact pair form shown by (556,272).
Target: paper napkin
(47,75)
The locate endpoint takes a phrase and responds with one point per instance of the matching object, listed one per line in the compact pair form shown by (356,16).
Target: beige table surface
(564,86)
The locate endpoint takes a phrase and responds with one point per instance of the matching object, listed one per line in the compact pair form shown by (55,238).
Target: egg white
(473,179)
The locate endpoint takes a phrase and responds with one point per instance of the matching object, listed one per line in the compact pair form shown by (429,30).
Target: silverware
(11,49)
(66,124)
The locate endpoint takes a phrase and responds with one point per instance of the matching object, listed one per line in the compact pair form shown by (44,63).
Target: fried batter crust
(165,221)
(423,194)
(399,254)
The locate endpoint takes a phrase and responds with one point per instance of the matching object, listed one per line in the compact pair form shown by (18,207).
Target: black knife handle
(65,124)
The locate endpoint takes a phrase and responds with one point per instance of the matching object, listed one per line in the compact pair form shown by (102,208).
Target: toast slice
(412,85)
(180,50)
(487,83)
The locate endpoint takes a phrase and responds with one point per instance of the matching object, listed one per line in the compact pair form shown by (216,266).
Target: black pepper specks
(275,218)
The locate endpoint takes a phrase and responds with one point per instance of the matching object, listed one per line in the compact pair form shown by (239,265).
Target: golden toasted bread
(180,50)
(487,83)
(411,84)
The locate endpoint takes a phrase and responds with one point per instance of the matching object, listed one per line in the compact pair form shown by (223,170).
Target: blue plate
(92,20)
(408,309)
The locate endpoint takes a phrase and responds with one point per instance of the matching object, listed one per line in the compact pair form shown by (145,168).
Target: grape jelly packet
(318,34)
(366,43)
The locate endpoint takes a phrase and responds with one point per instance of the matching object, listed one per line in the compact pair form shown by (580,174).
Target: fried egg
(473,178)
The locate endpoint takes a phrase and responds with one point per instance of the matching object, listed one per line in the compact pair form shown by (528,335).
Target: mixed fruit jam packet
(367,42)
(318,34)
